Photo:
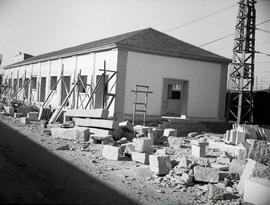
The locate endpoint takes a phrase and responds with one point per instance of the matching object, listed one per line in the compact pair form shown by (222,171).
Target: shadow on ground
(32,174)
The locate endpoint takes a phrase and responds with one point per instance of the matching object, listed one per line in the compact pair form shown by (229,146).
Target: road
(29,173)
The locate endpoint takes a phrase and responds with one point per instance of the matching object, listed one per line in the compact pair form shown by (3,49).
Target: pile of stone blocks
(142,149)
(236,135)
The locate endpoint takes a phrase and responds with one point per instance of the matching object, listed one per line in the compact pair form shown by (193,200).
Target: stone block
(25,120)
(206,174)
(260,152)
(75,133)
(252,168)
(240,137)
(96,123)
(233,134)
(143,144)
(140,129)
(234,151)
(33,116)
(215,192)
(237,167)
(160,164)
(93,113)
(140,157)
(257,191)
(103,139)
(192,134)
(111,152)
(221,167)
(198,150)
(9,110)
(17,115)
(128,148)
(170,132)
(175,141)
(126,126)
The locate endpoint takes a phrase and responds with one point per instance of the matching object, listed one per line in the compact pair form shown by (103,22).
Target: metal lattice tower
(241,72)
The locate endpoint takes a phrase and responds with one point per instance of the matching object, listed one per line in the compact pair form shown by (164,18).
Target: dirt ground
(33,171)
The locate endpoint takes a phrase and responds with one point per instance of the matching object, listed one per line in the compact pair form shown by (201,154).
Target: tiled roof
(145,40)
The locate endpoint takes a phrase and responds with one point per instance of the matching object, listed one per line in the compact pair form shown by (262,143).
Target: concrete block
(140,157)
(206,174)
(223,160)
(175,141)
(93,113)
(96,123)
(126,126)
(17,115)
(143,144)
(160,164)
(170,132)
(9,110)
(33,116)
(250,170)
(75,133)
(111,152)
(257,191)
(25,120)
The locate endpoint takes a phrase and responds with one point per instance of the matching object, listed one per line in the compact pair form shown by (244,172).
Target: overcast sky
(41,26)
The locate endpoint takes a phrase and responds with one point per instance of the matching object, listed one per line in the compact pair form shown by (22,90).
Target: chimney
(21,57)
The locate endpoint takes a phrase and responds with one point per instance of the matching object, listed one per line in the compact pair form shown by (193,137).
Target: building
(185,79)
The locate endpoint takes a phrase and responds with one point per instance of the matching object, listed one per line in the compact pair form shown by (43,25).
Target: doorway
(65,88)
(100,91)
(174,100)
(42,89)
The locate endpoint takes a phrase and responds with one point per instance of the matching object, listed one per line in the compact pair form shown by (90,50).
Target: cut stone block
(175,141)
(206,174)
(97,131)
(260,152)
(250,170)
(93,113)
(75,133)
(140,157)
(24,120)
(126,126)
(257,191)
(233,134)
(240,137)
(9,110)
(160,164)
(215,192)
(17,115)
(170,132)
(96,123)
(237,167)
(33,116)
(143,144)
(140,129)
(111,152)
(198,149)
(223,160)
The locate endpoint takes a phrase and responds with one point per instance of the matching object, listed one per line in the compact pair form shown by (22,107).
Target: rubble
(198,149)
(215,192)
(237,167)
(175,141)
(33,116)
(260,152)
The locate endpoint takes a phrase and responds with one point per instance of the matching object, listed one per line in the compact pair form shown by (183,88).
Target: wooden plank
(98,123)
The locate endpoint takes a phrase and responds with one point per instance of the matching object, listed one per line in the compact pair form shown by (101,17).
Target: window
(84,80)
(174,91)
(53,83)
(34,83)
(20,82)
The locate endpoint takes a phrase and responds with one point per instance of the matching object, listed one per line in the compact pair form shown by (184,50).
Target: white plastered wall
(203,82)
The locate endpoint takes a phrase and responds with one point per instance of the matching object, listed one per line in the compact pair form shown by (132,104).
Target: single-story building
(184,79)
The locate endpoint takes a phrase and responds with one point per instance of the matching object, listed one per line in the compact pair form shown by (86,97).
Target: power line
(263,53)
(266,31)
(200,18)
(229,35)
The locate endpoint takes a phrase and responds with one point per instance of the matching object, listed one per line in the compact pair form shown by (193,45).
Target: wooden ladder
(143,89)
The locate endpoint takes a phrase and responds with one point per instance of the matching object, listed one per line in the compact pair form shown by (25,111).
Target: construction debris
(160,164)
(76,133)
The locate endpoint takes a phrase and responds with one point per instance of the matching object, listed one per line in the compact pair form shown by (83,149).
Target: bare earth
(33,171)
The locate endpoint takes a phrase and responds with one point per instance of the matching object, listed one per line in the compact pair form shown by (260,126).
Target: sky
(41,26)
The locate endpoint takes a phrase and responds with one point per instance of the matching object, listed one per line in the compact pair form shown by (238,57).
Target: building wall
(204,83)
(88,64)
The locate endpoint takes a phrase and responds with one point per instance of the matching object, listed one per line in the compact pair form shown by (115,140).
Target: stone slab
(96,123)
(111,152)
(160,164)
(75,133)
(257,191)
(93,113)
(206,174)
